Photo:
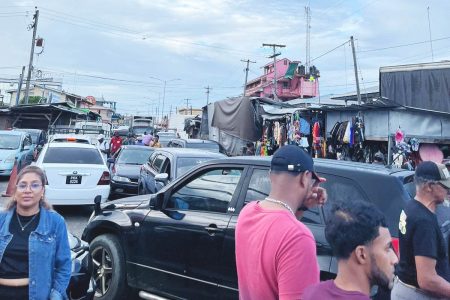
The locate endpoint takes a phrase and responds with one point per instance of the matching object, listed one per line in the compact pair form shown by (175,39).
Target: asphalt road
(76,216)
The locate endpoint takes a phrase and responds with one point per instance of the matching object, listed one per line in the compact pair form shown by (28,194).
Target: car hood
(129,171)
(127,203)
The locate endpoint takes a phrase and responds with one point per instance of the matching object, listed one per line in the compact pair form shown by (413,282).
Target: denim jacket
(49,255)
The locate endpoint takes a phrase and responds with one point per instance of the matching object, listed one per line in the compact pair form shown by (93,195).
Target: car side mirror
(157,202)
(162,178)
(97,208)
(111,160)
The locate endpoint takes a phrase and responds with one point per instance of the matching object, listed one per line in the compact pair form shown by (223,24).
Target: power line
(329,51)
(404,45)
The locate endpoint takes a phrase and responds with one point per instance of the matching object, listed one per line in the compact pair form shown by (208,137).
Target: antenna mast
(308,38)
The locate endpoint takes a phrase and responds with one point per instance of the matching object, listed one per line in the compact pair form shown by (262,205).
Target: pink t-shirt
(327,290)
(275,254)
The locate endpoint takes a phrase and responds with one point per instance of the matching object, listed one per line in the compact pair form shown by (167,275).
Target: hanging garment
(346,138)
(305,128)
(399,136)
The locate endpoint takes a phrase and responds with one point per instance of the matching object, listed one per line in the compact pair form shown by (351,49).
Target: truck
(141,124)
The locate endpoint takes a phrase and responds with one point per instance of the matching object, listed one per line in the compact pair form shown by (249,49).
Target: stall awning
(291,70)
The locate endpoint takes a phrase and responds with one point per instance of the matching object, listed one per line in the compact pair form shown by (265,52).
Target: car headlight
(121,178)
(10,159)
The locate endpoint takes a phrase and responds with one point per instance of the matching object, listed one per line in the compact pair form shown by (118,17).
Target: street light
(164,92)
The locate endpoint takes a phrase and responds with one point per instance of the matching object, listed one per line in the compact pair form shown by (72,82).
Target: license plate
(73,179)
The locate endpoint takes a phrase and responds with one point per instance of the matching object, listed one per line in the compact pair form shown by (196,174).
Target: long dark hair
(33,170)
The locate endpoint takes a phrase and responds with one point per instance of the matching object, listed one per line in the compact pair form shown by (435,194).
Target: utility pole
(248,61)
(30,66)
(187,105)
(19,88)
(358,92)
(274,56)
(207,94)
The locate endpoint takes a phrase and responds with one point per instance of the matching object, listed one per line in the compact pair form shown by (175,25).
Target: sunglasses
(35,187)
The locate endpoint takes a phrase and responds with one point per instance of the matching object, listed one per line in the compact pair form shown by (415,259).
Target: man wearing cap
(275,253)
(423,271)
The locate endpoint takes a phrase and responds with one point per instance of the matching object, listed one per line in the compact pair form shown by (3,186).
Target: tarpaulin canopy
(424,86)
(291,70)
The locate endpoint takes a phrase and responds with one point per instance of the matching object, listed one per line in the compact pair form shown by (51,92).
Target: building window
(285,84)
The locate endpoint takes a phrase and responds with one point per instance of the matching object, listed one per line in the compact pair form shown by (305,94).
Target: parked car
(76,173)
(82,284)
(165,137)
(14,144)
(125,168)
(179,242)
(38,136)
(166,164)
(197,144)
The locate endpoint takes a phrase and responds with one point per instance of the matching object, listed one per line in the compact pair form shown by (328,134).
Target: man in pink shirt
(275,253)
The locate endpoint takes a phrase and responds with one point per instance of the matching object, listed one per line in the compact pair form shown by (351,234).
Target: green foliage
(34,100)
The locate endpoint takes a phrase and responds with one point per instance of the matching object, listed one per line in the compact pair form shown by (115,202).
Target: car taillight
(105,179)
(396,246)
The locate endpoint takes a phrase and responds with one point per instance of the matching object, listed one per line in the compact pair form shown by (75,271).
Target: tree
(34,100)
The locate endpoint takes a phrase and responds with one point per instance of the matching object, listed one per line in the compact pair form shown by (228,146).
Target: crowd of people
(108,149)
(275,252)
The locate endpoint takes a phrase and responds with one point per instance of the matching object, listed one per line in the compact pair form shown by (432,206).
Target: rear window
(134,157)
(184,164)
(72,156)
(210,146)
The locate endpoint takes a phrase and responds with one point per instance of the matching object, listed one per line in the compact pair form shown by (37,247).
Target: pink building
(293,81)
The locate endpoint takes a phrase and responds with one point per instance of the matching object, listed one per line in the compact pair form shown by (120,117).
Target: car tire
(109,267)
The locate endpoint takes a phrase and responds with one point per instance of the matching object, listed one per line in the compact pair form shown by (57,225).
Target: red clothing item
(327,290)
(275,254)
(116,143)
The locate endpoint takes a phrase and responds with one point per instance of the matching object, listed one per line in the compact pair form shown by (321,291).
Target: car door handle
(212,229)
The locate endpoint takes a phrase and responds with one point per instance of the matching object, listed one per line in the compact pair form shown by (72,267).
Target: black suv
(179,243)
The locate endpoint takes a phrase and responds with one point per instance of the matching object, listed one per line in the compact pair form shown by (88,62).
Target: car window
(340,189)
(211,191)
(72,155)
(27,140)
(133,157)
(9,141)
(158,162)
(259,188)
(184,164)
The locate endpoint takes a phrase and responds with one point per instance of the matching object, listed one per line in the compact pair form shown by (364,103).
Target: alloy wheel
(103,270)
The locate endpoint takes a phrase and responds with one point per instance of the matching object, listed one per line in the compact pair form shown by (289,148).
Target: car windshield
(184,164)
(134,157)
(34,137)
(9,141)
(210,146)
(142,130)
(73,155)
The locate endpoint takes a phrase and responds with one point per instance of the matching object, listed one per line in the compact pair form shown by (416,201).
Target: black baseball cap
(432,171)
(292,158)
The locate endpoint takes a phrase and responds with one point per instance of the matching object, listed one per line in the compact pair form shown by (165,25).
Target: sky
(126,51)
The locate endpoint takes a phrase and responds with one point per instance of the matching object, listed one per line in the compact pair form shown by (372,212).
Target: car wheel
(109,267)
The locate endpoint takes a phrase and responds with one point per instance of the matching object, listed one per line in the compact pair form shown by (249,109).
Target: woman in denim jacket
(34,249)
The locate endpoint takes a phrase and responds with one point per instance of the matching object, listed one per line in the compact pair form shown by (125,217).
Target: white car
(76,173)
(73,138)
